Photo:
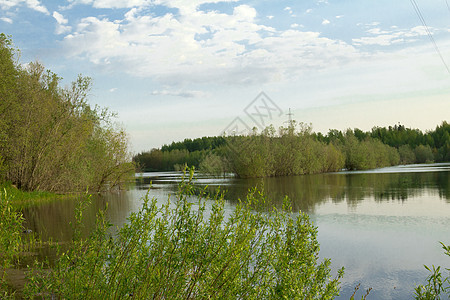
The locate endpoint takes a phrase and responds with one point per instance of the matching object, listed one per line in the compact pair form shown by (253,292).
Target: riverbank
(22,199)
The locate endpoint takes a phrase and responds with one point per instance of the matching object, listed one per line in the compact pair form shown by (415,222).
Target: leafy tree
(52,139)
(213,164)
(407,155)
(424,154)
(295,149)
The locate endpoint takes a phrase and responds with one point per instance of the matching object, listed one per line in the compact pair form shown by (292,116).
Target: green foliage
(364,296)
(10,240)
(437,285)
(407,155)
(297,150)
(293,151)
(20,199)
(192,248)
(50,137)
(368,154)
(198,144)
(424,154)
(158,160)
(437,140)
(213,164)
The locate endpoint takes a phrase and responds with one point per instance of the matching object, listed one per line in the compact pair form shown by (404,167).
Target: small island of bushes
(296,150)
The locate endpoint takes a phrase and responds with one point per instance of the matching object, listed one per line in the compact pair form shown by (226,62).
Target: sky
(175,69)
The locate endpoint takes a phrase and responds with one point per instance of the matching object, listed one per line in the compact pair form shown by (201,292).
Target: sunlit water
(382,225)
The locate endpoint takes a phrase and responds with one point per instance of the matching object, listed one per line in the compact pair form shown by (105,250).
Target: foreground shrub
(10,240)
(184,250)
(437,286)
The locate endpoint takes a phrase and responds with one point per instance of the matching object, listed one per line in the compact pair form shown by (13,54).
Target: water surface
(382,225)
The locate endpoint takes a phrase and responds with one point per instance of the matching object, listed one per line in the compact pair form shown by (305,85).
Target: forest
(296,149)
(51,138)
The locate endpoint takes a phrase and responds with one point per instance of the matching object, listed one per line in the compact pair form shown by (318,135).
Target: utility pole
(290,114)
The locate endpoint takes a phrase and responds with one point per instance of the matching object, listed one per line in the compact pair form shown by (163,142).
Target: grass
(21,199)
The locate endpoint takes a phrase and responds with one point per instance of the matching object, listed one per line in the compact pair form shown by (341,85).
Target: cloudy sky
(173,69)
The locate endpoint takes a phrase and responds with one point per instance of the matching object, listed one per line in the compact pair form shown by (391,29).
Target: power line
(421,18)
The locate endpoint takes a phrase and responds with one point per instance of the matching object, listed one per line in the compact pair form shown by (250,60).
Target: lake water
(382,225)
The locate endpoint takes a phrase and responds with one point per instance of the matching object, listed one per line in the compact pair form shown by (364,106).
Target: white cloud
(377,31)
(373,24)
(270,17)
(389,37)
(203,47)
(189,6)
(180,93)
(7,20)
(36,5)
(288,9)
(111,3)
(61,28)
(184,5)
(325,22)
(112,90)
(420,30)
(59,18)
(33,4)
(381,40)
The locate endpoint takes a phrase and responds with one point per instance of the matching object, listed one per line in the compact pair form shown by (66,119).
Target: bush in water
(10,241)
(184,250)
(437,286)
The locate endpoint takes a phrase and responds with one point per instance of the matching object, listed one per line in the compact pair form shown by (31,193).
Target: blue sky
(177,69)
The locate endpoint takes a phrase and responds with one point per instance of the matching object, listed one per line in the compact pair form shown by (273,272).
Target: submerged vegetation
(295,150)
(51,139)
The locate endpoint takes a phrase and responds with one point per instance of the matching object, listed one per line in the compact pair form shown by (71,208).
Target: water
(382,225)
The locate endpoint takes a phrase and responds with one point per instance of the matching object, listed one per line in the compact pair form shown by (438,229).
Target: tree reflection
(308,191)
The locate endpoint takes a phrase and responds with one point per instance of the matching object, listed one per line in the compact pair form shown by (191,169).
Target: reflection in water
(307,192)
(382,225)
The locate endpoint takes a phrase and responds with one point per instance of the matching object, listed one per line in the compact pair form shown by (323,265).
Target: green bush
(368,154)
(183,250)
(437,286)
(10,240)
(213,164)
(407,155)
(424,154)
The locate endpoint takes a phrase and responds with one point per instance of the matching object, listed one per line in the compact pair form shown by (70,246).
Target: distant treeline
(50,137)
(177,154)
(204,143)
(295,150)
